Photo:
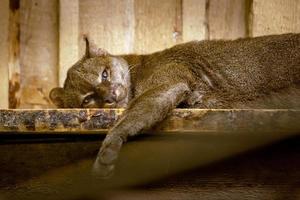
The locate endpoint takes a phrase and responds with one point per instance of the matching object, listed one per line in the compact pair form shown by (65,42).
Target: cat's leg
(144,112)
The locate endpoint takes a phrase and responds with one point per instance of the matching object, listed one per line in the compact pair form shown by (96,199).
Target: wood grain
(109,23)
(275,17)
(14,33)
(227,19)
(98,121)
(155,25)
(4,19)
(68,36)
(194,20)
(39,47)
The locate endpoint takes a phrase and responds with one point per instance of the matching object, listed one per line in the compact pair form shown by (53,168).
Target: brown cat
(203,74)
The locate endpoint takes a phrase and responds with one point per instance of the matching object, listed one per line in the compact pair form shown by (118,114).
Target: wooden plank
(227,19)
(109,23)
(68,36)
(194,20)
(98,121)
(39,51)
(178,26)
(14,53)
(275,17)
(4,19)
(155,25)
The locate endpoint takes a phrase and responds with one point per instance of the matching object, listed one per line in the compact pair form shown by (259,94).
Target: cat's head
(98,80)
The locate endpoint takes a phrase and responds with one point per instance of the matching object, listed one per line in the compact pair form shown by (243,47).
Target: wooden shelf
(98,121)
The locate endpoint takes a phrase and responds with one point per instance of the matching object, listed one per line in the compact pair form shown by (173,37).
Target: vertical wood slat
(39,51)
(14,53)
(4,19)
(278,16)
(68,36)
(109,23)
(227,19)
(155,25)
(194,20)
(178,25)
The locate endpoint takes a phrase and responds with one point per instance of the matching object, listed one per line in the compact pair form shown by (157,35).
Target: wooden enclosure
(41,39)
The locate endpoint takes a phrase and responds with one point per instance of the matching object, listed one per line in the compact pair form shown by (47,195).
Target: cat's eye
(104,75)
(87,100)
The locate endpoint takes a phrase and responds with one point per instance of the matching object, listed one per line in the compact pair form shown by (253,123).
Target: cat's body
(207,74)
(224,73)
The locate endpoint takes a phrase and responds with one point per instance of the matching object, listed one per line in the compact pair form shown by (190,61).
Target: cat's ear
(57,96)
(91,50)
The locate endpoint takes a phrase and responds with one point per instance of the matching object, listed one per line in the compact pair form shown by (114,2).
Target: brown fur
(244,73)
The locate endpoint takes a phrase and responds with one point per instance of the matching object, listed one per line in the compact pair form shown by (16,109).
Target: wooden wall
(40,40)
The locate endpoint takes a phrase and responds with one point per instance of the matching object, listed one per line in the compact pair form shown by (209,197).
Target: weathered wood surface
(98,121)
(156,25)
(227,19)
(39,47)
(275,17)
(14,68)
(194,22)
(4,19)
(68,36)
(109,23)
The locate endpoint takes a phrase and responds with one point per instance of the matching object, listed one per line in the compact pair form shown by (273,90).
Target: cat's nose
(109,100)
(119,93)
(115,94)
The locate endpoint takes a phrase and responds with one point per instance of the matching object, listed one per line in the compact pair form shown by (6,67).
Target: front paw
(107,156)
(110,149)
(101,170)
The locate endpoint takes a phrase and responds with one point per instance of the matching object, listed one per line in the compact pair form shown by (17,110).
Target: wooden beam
(156,25)
(275,17)
(4,19)
(109,23)
(98,121)
(14,53)
(226,19)
(194,20)
(68,36)
(39,51)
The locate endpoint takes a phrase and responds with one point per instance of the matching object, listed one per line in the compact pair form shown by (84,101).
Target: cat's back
(281,49)
(247,66)
(255,63)
(244,68)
